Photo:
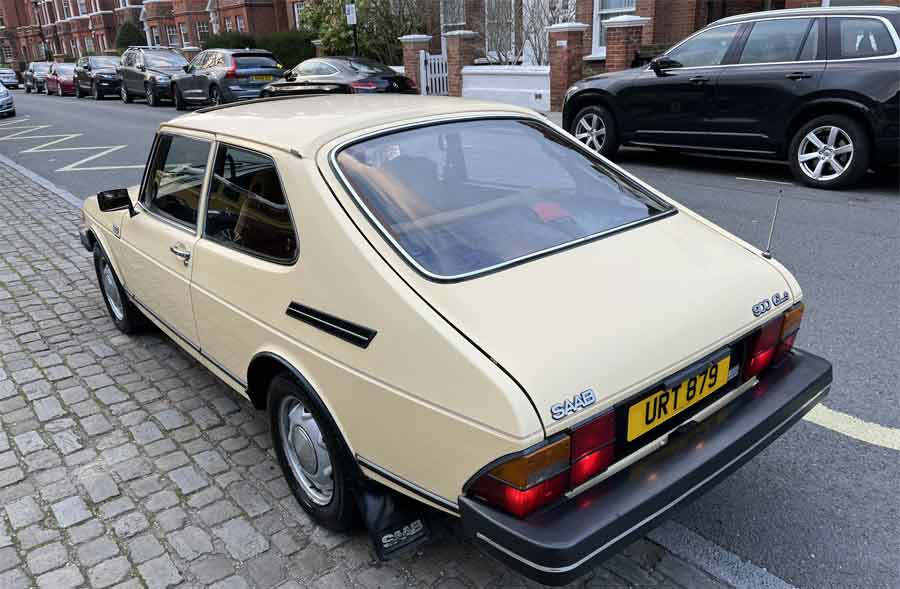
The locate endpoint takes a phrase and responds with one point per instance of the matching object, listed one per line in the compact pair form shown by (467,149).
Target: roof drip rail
(214,108)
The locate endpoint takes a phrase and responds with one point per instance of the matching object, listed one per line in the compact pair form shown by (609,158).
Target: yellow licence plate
(665,404)
(261,78)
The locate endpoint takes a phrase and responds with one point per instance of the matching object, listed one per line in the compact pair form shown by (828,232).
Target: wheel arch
(264,366)
(588,97)
(100,238)
(828,106)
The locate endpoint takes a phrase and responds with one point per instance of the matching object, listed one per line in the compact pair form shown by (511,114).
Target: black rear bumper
(561,544)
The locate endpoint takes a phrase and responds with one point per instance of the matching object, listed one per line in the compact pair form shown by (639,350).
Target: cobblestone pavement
(125,463)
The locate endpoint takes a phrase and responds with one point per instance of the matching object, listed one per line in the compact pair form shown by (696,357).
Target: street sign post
(350,14)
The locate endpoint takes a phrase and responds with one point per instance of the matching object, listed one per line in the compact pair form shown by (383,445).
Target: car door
(208,73)
(317,76)
(777,67)
(80,72)
(673,106)
(127,70)
(188,82)
(160,239)
(249,240)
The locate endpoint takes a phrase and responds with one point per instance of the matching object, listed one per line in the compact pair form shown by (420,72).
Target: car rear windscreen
(466,197)
(103,61)
(164,59)
(246,62)
(41,67)
(369,67)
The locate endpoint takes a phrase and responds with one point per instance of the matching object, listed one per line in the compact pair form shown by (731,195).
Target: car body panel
(336,78)
(211,67)
(105,76)
(9,78)
(33,77)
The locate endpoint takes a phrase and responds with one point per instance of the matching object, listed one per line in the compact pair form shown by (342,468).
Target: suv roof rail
(214,108)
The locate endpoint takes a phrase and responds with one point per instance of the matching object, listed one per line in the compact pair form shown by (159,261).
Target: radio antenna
(768,253)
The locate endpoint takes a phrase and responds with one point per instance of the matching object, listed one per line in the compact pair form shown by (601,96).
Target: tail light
(773,341)
(231,72)
(363,86)
(524,484)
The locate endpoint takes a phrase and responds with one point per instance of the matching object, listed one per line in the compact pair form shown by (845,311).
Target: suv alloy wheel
(595,127)
(150,94)
(123,93)
(78,92)
(215,96)
(830,151)
(96,92)
(178,98)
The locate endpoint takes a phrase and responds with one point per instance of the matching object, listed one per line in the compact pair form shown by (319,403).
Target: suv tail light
(363,86)
(231,72)
(773,341)
(524,484)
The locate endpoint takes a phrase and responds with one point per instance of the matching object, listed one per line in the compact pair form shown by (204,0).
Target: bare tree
(537,15)
(500,37)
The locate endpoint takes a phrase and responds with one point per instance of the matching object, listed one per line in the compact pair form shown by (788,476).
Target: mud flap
(397,525)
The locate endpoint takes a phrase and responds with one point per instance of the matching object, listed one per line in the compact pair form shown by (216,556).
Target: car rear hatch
(616,316)
(253,70)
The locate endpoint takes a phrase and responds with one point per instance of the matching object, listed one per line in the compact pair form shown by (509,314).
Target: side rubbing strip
(357,335)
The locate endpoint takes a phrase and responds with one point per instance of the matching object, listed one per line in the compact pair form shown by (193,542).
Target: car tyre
(78,93)
(596,127)
(96,92)
(178,98)
(124,95)
(126,317)
(59,90)
(830,152)
(312,454)
(150,95)
(27,89)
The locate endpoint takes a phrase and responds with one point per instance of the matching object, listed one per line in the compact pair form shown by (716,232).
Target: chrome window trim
(668,208)
(893,33)
(674,503)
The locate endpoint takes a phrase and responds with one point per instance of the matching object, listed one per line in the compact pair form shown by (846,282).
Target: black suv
(35,75)
(818,87)
(96,75)
(147,71)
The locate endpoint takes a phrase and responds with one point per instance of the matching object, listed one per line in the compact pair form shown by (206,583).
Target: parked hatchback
(9,78)
(97,76)
(218,76)
(34,76)
(7,103)
(341,75)
(60,79)
(818,87)
(147,71)
(458,302)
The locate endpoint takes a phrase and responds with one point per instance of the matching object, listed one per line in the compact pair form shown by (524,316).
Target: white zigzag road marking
(24,132)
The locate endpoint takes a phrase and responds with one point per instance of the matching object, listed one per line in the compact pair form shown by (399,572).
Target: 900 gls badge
(764,306)
(573,405)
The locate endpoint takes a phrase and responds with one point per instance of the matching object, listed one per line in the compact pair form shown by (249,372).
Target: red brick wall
(621,45)
(460,53)
(565,64)
(411,58)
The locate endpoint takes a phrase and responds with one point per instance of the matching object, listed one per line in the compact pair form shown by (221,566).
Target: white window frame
(185,34)
(156,35)
(89,45)
(73,45)
(240,24)
(172,35)
(67,9)
(7,53)
(228,26)
(600,13)
(298,7)
(202,31)
(82,7)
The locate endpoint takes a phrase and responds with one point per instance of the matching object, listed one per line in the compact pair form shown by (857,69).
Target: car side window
(810,51)
(853,38)
(707,48)
(175,182)
(773,41)
(198,60)
(247,209)
(315,68)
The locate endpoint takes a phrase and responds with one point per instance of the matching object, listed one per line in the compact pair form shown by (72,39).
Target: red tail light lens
(231,72)
(763,347)
(526,483)
(363,86)
(792,319)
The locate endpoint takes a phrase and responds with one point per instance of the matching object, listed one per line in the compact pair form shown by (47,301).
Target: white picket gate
(434,73)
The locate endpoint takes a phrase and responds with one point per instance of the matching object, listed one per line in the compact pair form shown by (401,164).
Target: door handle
(179,250)
(698,80)
(797,76)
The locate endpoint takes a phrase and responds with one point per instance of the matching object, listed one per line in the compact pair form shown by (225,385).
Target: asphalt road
(818,508)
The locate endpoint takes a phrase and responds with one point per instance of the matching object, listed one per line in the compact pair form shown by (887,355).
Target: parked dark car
(9,78)
(60,79)
(34,76)
(147,71)
(97,76)
(340,75)
(217,76)
(818,87)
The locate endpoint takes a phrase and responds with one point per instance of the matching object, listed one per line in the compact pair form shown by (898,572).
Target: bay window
(603,10)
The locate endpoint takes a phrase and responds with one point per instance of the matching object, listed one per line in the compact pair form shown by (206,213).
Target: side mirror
(290,76)
(87,67)
(187,68)
(660,64)
(142,67)
(115,200)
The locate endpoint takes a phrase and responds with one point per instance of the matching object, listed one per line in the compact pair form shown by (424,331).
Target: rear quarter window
(854,38)
(255,61)
(467,197)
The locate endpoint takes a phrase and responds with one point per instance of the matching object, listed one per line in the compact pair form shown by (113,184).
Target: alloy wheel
(825,153)
(215,96)
(111,291)
(148,92)
(306,452)
(123,93)
(591,130)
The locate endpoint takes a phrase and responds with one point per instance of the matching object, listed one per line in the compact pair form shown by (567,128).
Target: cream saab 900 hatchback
(459,302)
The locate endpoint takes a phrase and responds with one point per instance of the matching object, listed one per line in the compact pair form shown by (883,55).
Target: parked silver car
(9,78)
(7,103)
(217,76)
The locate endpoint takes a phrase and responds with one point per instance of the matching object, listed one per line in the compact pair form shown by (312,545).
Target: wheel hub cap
(111,291)
(591,131)
(306,451)
(825,152)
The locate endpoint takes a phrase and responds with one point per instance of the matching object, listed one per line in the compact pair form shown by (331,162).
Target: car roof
(302,124)
(838,10)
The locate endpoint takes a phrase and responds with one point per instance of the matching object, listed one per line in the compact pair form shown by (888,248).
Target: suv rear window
(466,197)
(164,59)
(850,38)
(255,61)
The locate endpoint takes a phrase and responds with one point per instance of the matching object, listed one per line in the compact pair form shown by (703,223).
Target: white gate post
(423,72)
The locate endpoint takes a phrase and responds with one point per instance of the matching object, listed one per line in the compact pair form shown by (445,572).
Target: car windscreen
(65,68)
(104,61)
(246,62)
(466,197)
(369,67)
(164,60)
(41,67)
